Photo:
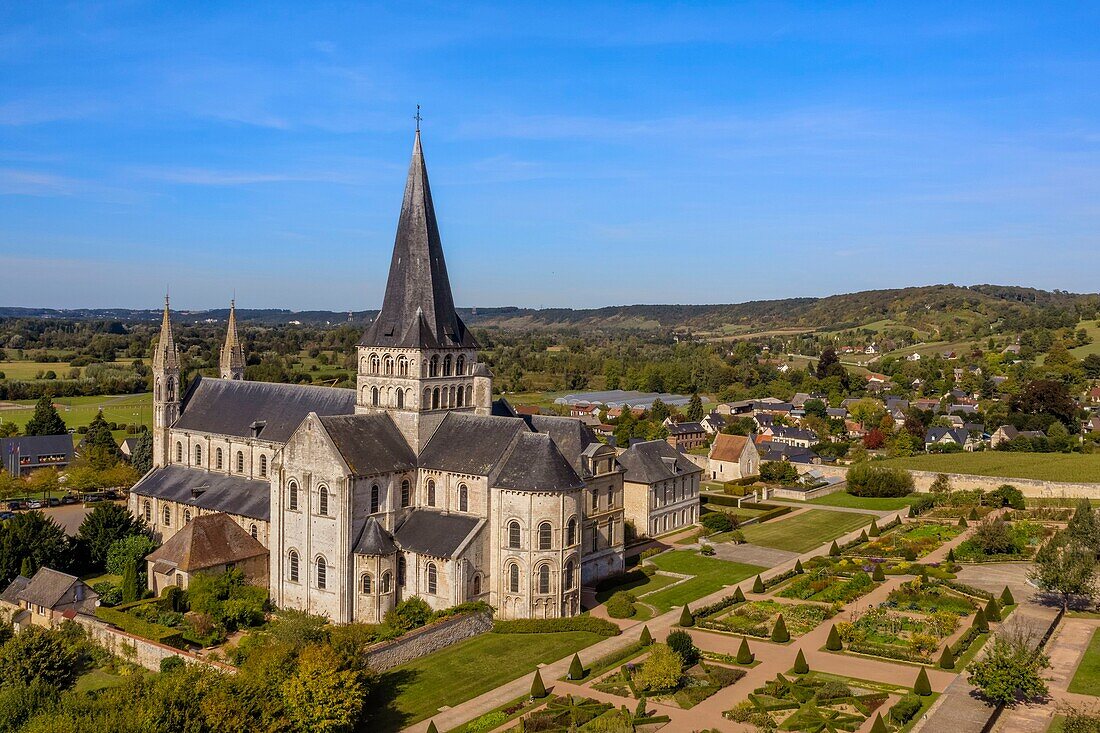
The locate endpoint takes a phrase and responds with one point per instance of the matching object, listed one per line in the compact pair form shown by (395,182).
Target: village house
(47,598)
(661,488)
(733,457)
(210,543)
(798,437)
(948,436)
(685,436)
(714,423)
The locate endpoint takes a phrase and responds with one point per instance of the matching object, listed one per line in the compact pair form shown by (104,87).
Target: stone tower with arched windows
(166,389)
(417,360)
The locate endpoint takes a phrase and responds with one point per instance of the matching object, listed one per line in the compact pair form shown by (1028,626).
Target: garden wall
(428,639)
(137,650)
(1030,487)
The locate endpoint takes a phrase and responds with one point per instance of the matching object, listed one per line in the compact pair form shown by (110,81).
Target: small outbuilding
(210,543)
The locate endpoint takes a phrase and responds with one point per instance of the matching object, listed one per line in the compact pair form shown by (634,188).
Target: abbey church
(416,483)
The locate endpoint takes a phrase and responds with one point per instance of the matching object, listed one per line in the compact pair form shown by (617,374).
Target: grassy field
(805,531)
(1076,467)
(1086,680)
(97,679)
(415,691)
(651,583)
(710,575)
(844,499)
(1093,329)
(79,411)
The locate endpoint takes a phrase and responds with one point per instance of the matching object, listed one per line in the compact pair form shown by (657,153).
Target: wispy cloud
(220,177)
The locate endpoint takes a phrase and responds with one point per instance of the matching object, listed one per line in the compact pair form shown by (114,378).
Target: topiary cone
(744,654)
(646,638)
(951,556)
(576,669)
(980,621)
(431,727)
(863,536)
(780,634)
(686,619)
(834,644)
(924,573)
(1006,598)
(874,531)
(922,686)
(912,512)
(739,595)
(758,585)
(879,726)
(992,611)
(798,566)
(947,659)
(973,515)
(833,549)
(800,665)
(962,522)
(877,574)
(538,690)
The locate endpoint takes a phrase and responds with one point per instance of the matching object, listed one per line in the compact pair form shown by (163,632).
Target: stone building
(415,483)
(733,457)
(660,488)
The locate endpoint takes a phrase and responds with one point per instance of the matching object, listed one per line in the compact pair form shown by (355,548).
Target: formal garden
(909,541)
(767,619)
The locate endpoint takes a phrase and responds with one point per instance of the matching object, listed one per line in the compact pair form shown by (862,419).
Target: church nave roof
(217,491)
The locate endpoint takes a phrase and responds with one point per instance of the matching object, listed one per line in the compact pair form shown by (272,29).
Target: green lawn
(711,574)
(415,691)
(1086,680)
(844,499)
(80,411)
(97,679)
(1078,467)
(637,587)
(804,532)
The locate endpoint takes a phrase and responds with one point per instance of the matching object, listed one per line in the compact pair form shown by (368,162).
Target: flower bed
(883,633)
(910,541)
(696,684)
(1024,536)
(808,703)
(915,596)
(955,512)
(756,618)
(828,588)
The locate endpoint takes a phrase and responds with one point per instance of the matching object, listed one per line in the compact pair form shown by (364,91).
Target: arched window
(513,534)
(198,455)
(252,530)
(292,494)
(166,515)
(567,576)
(477,585)
(544,578)
(433,366)
(432,578)
(458,400)
(240,462)
(186,516)
(460,364)
(218,458)
(386,582)
(451,400)
(292,566)
(322,572)
(431,492)
(171,389)
(426,403)
(546,536)
(401,570)
(406,490)
(400,398)
(374,396)
(322,501)
(374,498)
(365,583)
(469,396)
(402,367)
(463,498)
(447,365)
(147,509)
(435,398)
(179,452)
(374,361)
(513,578)
(388,368)
(571,533)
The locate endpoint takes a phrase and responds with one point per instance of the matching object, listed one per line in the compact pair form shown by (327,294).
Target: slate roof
(216,491)
(49,587)
(536,464)
(684,428)
(470,444)
(418,310)
(33,446)
(230,407)
(435,533)
(935,435)
(374,540)
(794,433)
(651,461)
(11,593)
(728,447)
(370,443)
(570,435)
(206,542)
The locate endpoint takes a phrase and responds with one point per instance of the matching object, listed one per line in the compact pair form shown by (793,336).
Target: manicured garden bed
(828,587)
(710,575)
(693,685)
(810,703)
(758,618)
(910,541)
(805,531)
(1022,541)
(1086,680)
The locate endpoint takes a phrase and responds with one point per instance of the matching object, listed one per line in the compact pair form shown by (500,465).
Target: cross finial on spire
(418,118)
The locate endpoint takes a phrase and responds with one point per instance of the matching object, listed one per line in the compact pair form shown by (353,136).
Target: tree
(947,658)
(695,408)
(576,669)
(1011,668)
(682,643)
(686,619)
(798,567)
(1084,526)
(834,644)
(322,696)
(994,537)
(131,549)
(661,670)
(100,449)
(744,654)
(33,536)
(758,585)
(800,664)
(131,584)
(538,689)
(37,654)
(142,457)
(409,614)
(866,479)
(922,687)
(659,411)
(45,420)
(646,639)
(941,485)
(780,634)
(1065,568)
(826,362)
(105,525)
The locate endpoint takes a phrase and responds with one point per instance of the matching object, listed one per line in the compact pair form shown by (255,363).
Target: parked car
(68,500)
(54,502)
(6,515)
(111,494)
(34,504)
(15,506)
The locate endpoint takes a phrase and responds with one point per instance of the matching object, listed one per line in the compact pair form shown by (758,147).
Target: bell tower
(232,357)
(166,389)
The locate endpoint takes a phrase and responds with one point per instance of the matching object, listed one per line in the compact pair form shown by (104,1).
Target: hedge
(782,577)
(889,651)
(713,608)
(968,590)
(720,500)
(145,629)
(590,624)
(959,647)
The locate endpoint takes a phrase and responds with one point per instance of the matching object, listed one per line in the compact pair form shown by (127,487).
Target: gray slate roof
(684,428)
(570,435)
(935,435)
(536,464)
(50,587)
(33,446)
(374,540)
(216,491)
(11,593)
(435,533)
(230,407)
(470,444)
(418,310)
(651,461)
(369,444)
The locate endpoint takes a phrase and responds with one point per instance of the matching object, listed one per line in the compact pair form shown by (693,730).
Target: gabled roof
(369,443)
(684,428)
(219,492)
(374,540)
(232,407)
(570,435)
(32,446)
(418,310)
(433,533)
(728,447)
(470,444)
(936,434)
(536,464)
(11,593)
(48,587)
(650,461)
(206,542)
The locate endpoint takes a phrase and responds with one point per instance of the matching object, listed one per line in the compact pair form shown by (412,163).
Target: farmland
(1073,467)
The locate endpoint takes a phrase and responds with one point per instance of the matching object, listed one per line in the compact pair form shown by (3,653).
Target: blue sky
(581,154)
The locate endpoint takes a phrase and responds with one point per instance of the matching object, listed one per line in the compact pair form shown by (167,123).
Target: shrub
(538,689)
(1006,598)
(651,552)
(487,722)
(170,663)
(706,550)
(866,479)
(715,522)
(576,669)
(874,531)
(686,619)
(980,622)
(922,687)
(833,644)
(621,605)
(962,522)
(992,612)
(739,595)
(1005,495)
(681,643)
(758,585)
(798,567)
(737,537)
(646,638)
(409,614)
(879,726)
(947,659)
(594,625)
(877,574)
(661,670)
(780,634)
(431,727)
(744,654)
(834,550)
(904,709)
(833,689)
(800,665)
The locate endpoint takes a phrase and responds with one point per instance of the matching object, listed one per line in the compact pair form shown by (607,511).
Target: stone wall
(428,639)
(1030,487)
(140,651)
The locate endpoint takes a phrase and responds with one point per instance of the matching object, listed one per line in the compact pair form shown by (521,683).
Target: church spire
(166,388)
(166,356)
(418,309)
(232,356)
